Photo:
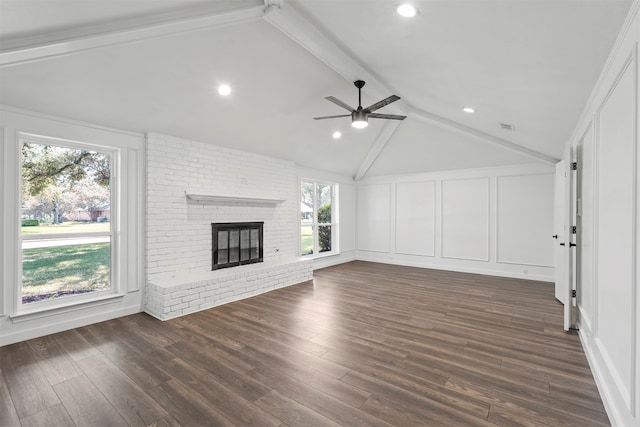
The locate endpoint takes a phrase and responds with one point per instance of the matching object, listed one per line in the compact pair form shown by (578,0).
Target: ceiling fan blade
(380,104)
(340,103)
(386,116)
(331,117)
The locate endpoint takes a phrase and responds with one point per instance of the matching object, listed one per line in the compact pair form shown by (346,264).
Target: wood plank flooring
(364,344)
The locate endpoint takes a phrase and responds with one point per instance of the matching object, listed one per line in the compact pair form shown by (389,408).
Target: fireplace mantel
(216,199)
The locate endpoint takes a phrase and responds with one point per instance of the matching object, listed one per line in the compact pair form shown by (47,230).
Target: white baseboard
(460,269)
(40,330)
(618,413)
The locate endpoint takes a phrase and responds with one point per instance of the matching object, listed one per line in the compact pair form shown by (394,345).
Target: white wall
(495,221)
(606,140)
(21,323)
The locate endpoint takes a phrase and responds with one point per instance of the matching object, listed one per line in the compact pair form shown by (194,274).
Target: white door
(559,225)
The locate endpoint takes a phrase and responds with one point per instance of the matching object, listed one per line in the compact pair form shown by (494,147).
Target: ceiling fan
(360,116)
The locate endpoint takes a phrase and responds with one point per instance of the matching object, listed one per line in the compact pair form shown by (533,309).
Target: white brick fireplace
(256,188)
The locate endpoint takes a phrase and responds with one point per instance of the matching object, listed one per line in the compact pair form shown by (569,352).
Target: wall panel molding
(468,181)
(616,229)
(609,323)
(415,218)
(374,217)
(520,217)
(455,219)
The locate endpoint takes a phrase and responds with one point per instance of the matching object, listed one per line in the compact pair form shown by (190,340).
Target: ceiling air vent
(507,126)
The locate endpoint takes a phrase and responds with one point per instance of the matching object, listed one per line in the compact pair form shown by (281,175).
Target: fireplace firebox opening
(236,243)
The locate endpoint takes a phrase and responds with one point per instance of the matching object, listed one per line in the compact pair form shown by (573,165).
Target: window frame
(334,224)
(115,288)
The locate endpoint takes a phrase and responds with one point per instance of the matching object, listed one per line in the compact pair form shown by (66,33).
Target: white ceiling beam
(464,130)
(381,141)
(303,31)
(87,39)
(306,33)
(297,27)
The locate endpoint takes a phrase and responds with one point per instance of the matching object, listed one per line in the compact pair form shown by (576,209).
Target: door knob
(571,244)
(562,244)
(555,236)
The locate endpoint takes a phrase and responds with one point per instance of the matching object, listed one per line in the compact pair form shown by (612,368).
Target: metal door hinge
(574,166)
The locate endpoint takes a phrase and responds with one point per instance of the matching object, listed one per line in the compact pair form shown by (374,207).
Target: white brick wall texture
(178,233)
(174,297)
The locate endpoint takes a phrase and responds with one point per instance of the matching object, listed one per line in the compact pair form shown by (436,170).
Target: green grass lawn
(68,227)
(66,269)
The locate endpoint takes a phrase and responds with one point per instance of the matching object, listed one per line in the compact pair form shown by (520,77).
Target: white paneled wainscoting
(496,221)
(605,145)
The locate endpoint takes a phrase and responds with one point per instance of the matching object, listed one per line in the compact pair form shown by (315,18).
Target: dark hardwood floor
(363,345)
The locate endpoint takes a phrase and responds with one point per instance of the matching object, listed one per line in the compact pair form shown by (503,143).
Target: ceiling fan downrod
(359,84)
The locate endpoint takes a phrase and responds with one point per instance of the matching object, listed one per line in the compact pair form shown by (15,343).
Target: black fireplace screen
(236,243)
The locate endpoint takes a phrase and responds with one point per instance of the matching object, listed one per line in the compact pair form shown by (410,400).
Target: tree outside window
(66,216)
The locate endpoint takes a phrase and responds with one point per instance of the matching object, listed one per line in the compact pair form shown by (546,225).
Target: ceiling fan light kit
(359,119)
(360,116)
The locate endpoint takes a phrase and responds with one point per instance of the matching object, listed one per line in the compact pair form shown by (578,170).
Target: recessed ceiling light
(407,10)
(469,110)
(337,134)
(224,90)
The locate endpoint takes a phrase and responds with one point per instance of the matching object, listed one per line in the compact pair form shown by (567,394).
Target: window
(67,218)
(318,219)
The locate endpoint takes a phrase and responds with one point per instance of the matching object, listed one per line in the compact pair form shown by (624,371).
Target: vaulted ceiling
(155,66)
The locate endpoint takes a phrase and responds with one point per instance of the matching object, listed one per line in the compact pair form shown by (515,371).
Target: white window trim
(129,233)
(335,249)
(114,284)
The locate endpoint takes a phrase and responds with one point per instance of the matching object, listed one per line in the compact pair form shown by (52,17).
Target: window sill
(42,312)
(320,255)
